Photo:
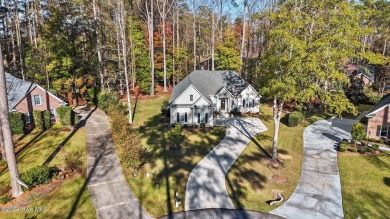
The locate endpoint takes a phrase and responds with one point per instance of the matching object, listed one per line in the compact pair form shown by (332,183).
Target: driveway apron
(318,194)
(206,183)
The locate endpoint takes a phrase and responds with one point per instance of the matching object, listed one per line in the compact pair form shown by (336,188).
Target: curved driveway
(318,194)
(206,184)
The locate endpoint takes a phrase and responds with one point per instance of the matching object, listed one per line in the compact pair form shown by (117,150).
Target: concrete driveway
(318,194)
(206,183)
(107,186)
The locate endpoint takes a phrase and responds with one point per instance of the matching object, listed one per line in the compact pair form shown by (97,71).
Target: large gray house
(197,96)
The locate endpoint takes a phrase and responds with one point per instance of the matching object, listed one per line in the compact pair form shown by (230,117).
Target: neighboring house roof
(367,71)
(209,83)
(385,101)
(17,89)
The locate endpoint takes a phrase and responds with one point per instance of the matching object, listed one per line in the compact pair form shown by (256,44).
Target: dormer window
(191,97)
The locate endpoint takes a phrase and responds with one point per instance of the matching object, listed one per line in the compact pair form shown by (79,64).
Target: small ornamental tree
(176,135)
(358,132)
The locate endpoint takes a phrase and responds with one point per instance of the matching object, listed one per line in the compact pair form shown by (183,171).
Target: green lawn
(249,181)
(72,197)
(168,169)
(147,108)
(365,184)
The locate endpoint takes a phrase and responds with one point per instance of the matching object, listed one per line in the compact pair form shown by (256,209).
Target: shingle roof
(17,89)
(210,83)
(368,71)
(382,103)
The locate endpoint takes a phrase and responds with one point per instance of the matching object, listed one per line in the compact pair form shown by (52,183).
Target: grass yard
(168,169)
(249,181)
(365,185)
(72,197)
(146,108)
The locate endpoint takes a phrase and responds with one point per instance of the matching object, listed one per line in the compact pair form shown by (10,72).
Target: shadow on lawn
(177,164)
(375,205)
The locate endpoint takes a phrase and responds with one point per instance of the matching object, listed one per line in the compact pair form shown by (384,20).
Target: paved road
(318,194)
(206,183)
(106,183)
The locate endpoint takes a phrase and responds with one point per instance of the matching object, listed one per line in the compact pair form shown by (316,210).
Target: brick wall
(382,118)
(27,104)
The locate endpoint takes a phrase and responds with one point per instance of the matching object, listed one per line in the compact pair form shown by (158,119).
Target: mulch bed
(38,192)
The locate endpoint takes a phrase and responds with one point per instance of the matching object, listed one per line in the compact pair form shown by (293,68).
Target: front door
(223,104)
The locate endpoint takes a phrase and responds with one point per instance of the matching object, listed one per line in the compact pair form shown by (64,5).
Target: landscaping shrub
(165,108)
(364,143)
(371,150)
(46,119)
(38,120)
(5,199)
(175,135)
(16,121)
(2,162)
(131,151)
(36,176)
(343,147)
(375,147)
(358,132)
(354,150)
(202,125)
(106,99)
(362,150)
(67,116)
(371,139)
(234,112)
(64,113)
(344,141)
(295,118)
(382,141)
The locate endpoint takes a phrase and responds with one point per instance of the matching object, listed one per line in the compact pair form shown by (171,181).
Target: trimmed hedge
(46,119)
(67,116)
(16,121)
(64,112)
(38,120)
(295,118)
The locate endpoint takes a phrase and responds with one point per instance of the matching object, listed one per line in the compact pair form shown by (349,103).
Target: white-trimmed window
(250,102)
(383,131)
(37,100)
(27,118)
(53,114)
(191,97)
(181,117)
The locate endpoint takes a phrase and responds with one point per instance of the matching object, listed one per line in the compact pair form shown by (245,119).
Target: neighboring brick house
(366,73)
(378,125)
(25,97)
